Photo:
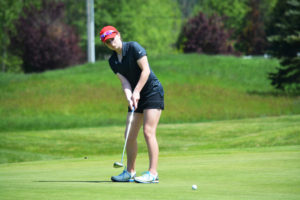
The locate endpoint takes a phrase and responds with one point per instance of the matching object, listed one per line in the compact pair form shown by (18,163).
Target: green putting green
(253,173)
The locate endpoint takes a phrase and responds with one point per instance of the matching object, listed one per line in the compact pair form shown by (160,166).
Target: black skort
(155,101)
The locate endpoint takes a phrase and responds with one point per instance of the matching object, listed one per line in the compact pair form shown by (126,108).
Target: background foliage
(156,24)
(9,11)
(252,39)
(234,11)
(44,41)
(285,44)
(206,35)
(155,29)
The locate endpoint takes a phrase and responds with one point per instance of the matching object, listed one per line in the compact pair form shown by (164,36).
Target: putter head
(118,165)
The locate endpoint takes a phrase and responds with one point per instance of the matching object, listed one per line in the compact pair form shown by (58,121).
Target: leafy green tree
(154,24)
(266,9)
(187,7)
(10,10)
(234,11)
(75,15)
(285,44)
(252,40)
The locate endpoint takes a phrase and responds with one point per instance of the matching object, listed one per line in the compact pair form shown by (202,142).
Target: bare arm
(126,88)
(144,66)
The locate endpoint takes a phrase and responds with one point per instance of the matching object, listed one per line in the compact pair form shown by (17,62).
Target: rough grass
(197,88)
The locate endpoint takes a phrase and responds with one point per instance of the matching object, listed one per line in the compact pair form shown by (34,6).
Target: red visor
(108,32)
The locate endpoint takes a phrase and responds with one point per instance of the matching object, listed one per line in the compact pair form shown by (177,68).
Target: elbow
(147,71)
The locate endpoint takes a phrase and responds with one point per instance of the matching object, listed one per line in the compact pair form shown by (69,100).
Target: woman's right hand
(130,103)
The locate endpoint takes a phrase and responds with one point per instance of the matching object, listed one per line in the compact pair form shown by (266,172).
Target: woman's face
(114,43)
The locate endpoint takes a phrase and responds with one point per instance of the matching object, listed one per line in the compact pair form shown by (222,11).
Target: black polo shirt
(128,67)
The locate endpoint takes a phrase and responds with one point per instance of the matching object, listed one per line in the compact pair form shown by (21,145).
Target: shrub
(44,41)
(206,35)
(234,10)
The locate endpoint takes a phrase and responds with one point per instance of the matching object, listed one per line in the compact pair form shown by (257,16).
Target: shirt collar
(124,48)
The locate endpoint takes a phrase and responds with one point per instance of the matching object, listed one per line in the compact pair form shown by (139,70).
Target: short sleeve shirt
(128,67)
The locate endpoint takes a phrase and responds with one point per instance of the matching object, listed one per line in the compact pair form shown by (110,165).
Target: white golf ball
(194,187)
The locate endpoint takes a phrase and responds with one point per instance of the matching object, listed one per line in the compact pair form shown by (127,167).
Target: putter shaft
(117,164)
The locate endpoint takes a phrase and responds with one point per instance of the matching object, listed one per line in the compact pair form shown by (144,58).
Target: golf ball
(194,187)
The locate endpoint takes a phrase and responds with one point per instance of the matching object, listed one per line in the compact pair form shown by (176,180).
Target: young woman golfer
(144,93)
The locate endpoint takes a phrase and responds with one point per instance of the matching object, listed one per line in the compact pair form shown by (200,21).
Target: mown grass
(197,88)
(255,158)
(266,174)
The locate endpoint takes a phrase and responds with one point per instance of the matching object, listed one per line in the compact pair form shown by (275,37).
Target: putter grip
(131,115)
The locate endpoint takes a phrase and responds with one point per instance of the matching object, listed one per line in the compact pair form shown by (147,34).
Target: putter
(120,164)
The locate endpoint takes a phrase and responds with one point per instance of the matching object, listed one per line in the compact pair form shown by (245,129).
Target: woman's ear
(120,36)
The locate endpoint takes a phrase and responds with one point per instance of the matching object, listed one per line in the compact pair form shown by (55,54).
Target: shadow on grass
(275,93)
(73,181)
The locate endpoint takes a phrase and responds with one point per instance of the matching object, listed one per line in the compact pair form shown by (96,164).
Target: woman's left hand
(135,98)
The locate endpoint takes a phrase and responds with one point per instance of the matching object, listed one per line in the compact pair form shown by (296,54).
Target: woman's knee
(149,132)
(132,137)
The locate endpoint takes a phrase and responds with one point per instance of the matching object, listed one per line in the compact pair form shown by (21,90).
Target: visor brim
(109,37)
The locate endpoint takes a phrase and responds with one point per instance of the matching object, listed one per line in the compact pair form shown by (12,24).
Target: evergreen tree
(285,44)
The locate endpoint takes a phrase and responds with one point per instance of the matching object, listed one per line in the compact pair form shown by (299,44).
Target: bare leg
(131,148)
(151,119)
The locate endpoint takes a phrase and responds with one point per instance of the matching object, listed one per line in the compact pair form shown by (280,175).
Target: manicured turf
(255,159)
(254,173)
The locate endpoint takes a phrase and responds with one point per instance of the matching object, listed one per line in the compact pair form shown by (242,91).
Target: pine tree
(285,44)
